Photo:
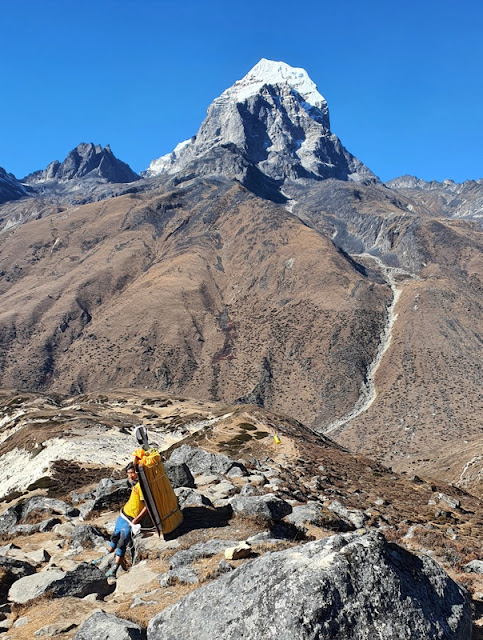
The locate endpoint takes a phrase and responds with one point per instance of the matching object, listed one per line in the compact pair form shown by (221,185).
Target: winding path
(368,389)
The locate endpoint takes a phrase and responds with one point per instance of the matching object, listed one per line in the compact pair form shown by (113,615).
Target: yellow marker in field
(276,439)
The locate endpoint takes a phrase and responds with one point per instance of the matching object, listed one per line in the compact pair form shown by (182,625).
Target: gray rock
(183,575)
(203,479)
(85,535)
(250,490)
(179,474)
(9,519)
(191,498)
(438,498)
(77,498)
(166,580)
(86,161)
(79,582)
(271,123)
(106,486)
(266,507)
(40,556)
(21,622)
(200,461)
(347,586)
(34,586)
(12,570)
(315,514)
(56,629)
(354,516)
(39,504)
(221,491)
(475,566)
(109,494)
(29,529)
(198,551)
(87,508)
(104,626)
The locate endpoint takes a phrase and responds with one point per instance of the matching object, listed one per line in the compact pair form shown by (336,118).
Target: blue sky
(403,81)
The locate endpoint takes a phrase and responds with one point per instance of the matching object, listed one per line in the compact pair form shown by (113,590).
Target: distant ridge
(86,161)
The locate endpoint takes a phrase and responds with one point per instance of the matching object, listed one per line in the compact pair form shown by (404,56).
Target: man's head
(132,476)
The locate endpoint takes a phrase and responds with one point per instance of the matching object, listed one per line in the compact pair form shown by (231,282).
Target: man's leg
(122,542)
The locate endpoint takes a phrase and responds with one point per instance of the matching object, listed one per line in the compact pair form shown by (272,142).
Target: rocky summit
(85,161)
(270,127)
(303,344)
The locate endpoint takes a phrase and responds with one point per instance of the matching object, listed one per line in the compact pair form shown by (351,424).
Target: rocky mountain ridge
(85,161)
(10,187)
(274,516)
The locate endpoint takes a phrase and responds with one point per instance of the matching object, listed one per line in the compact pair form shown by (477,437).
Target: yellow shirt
(135,504)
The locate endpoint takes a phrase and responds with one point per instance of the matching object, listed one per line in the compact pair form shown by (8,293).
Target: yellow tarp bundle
(160,498)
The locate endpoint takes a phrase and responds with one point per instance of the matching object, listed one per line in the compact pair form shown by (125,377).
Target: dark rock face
(80,582)
(86,160)
(179,475)
(109,627)
(10,571)
(347,586)
(10,187)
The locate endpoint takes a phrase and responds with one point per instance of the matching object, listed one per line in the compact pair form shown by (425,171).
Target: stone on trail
(348,586)
(34,586)
(51,630)
(267,507)
(79,582)
(105,626)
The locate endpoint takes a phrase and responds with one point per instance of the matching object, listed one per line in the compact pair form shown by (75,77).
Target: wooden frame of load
(159,496)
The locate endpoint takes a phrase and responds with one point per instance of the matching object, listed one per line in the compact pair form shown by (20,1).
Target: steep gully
(368,388)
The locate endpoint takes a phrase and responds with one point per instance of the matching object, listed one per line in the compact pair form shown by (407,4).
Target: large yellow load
(159,496)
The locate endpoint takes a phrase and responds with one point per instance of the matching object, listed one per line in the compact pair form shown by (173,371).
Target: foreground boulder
(78,583)
(201,461)
(12,570)
(347,586)
(104,626)
(266,508)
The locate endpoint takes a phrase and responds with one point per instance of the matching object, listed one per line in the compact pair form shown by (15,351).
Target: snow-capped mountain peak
(269,72)
(269,127)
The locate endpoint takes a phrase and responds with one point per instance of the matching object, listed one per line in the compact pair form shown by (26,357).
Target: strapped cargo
(159,496)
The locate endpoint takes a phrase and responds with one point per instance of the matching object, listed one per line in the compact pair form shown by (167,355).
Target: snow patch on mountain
(268,72)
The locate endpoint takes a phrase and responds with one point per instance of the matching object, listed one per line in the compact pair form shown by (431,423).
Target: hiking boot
(112,571)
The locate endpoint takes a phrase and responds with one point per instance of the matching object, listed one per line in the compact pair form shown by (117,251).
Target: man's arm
(139,517)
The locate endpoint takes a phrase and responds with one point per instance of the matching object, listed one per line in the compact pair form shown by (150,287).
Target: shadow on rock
(201,518)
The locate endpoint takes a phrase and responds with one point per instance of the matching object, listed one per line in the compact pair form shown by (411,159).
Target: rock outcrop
(109,627)
(86,161)
(347,586)
(10,187)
